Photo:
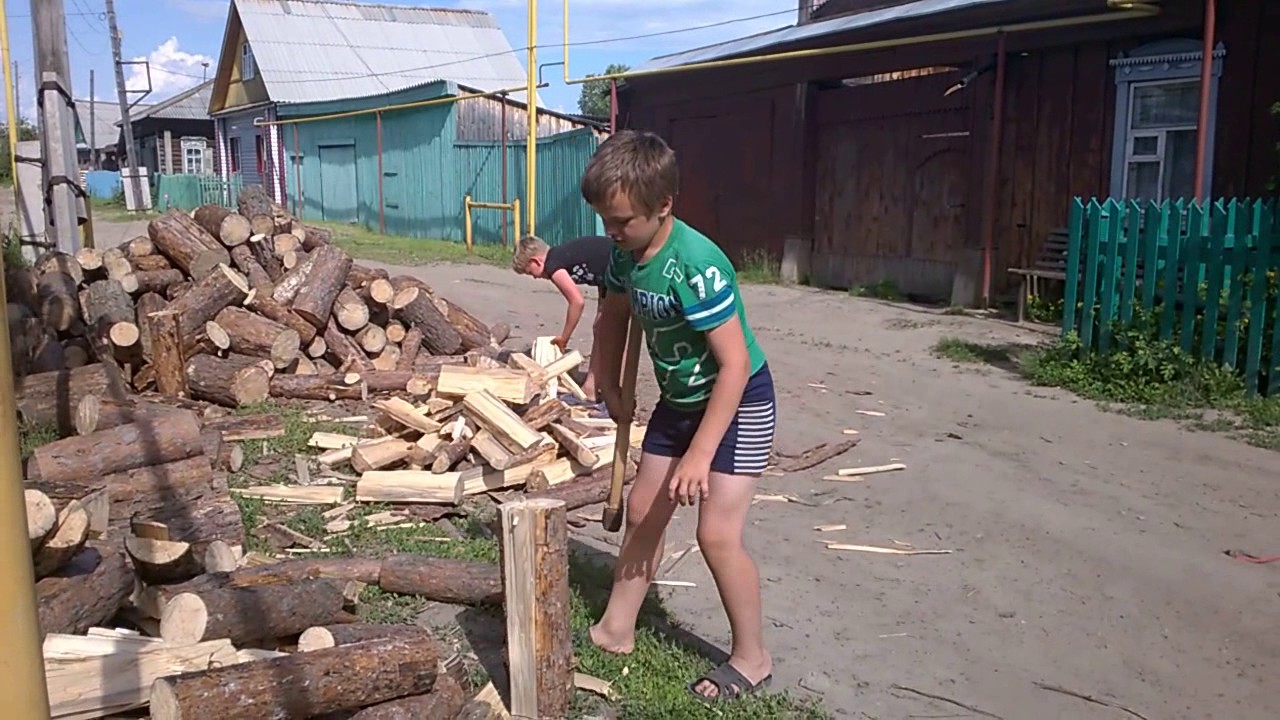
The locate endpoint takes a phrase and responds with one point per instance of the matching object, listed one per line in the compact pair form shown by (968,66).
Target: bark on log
(21,288)
(168,359)
(244,614)
(105,302)
(159,562)
(85,593)
(343,350)
(291,283)
(140,246)
(314,237)
(246,263)
(94,413)
(362,276)
(322,637)
(409,349)
(459,582)
(148,303)
(543,414)
(301,685)
(187,496)
(256,336)
(230,382)
(335,386)
(582,491)
(314,301)
(499,332)
(230,232)
(69,535)
(248,427)
(138,444)
(262,303)
(157,280)
(221,288)
(535,570)
(150,263)
(59,300)
(51,398)
(474,333)
(186,244)
(176,291)
(261,250)
(253,203)
(414,307)
(444,701)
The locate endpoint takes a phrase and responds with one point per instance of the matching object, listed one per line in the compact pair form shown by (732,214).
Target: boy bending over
(581,261)
(710,435)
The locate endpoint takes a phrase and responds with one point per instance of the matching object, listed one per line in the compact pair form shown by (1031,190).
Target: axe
(612,517)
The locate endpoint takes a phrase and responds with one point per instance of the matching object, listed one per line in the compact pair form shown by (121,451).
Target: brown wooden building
(868,139)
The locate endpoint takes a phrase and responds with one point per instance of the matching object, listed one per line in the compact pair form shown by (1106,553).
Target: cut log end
(183,621)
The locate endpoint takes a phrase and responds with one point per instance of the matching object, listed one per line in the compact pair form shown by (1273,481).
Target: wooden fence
(1203,277)
(188,192)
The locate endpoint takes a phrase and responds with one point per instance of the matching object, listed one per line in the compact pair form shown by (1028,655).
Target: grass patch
(964,351)
(759,267)
(398,250)
(31,437)
(114,211)
(883,290)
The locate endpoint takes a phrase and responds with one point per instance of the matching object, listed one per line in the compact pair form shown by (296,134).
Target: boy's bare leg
(589,382)
(648,512)
(721,519)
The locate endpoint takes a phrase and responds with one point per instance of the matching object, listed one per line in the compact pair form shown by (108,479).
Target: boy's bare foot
(609,643)
(754,673)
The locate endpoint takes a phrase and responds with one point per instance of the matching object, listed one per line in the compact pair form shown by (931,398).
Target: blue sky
(178,36)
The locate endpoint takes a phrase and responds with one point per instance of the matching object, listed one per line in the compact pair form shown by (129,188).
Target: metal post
(531,141)
(382,203)
(93,127)
(1206,76)
(130,148)
(59,170)
(503,99)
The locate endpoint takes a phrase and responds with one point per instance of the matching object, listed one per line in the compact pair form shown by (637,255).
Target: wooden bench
(1050,264)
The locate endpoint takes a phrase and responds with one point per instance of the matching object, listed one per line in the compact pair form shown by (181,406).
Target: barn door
(339,198)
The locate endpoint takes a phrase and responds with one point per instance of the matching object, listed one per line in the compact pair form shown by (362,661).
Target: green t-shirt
(687,289)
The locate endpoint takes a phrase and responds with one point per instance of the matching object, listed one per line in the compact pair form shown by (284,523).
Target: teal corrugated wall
(426,175)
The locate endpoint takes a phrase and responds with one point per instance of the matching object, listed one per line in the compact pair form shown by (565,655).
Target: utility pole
(93,128)
(59,169)
(130,148)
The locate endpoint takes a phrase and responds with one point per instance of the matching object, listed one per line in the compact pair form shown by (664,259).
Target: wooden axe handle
(612,517)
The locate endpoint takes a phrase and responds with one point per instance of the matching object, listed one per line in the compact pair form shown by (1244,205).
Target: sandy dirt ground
(1088,546)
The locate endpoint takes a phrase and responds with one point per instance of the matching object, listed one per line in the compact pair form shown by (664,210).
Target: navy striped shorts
(746,444)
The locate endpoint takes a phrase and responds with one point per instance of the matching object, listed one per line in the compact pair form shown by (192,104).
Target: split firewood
(493,415)
(291,282)
(42,518)
(380,453)
(513,386)
(68,538)
(294,495)
(238,428)
(572,443)
(413,486)
(341,678)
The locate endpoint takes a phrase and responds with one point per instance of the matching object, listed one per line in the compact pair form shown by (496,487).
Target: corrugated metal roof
(759,42)
(106,115)
(190,104)
(308,51)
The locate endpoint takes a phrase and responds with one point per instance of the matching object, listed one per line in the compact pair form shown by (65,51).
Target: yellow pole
(22,681)
(11,107)
(515,220)
(531,141)
(466,223)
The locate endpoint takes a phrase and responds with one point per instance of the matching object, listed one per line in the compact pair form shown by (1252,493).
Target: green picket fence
(1203,277)
(188,192)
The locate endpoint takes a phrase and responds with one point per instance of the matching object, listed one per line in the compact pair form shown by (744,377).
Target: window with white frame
(248,68)
(193,156)
(1157,120)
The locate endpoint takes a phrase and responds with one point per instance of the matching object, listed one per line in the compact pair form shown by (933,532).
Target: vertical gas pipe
(382,215)
(531,141)
(1206,74)
(613,105)
(993,174)
(503,98)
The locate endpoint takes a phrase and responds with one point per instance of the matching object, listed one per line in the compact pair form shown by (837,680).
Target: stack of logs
(235,306)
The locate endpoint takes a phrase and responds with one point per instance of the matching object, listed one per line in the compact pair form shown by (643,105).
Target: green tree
(594,100)
(26,131)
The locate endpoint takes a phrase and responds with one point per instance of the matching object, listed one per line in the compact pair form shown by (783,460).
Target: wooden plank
(1192,272)
(493,415)
(1132,242)
(1238,239)
(1215,255)
(1096,230)
(1110,270)
(404,412)
(1174,256)
(535,570)
(1155,232)
(294,494)
(414,486)
(513,386)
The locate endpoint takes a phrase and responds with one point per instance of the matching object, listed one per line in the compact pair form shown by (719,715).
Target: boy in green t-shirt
(710,435)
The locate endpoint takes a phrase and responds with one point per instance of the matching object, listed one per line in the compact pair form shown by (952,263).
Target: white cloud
(172,71)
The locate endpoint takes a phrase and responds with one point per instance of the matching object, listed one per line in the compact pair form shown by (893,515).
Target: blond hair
(640,164)
(529,247)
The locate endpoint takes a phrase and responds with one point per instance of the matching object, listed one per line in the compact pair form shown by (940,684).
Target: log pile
(235,306)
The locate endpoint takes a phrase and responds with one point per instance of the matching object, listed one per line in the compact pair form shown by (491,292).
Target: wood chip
(298,495)
(830,528)
(592,684)
(870,413)
(849,431)
(884,550)
(675,583)
(819,454)
(856,474)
